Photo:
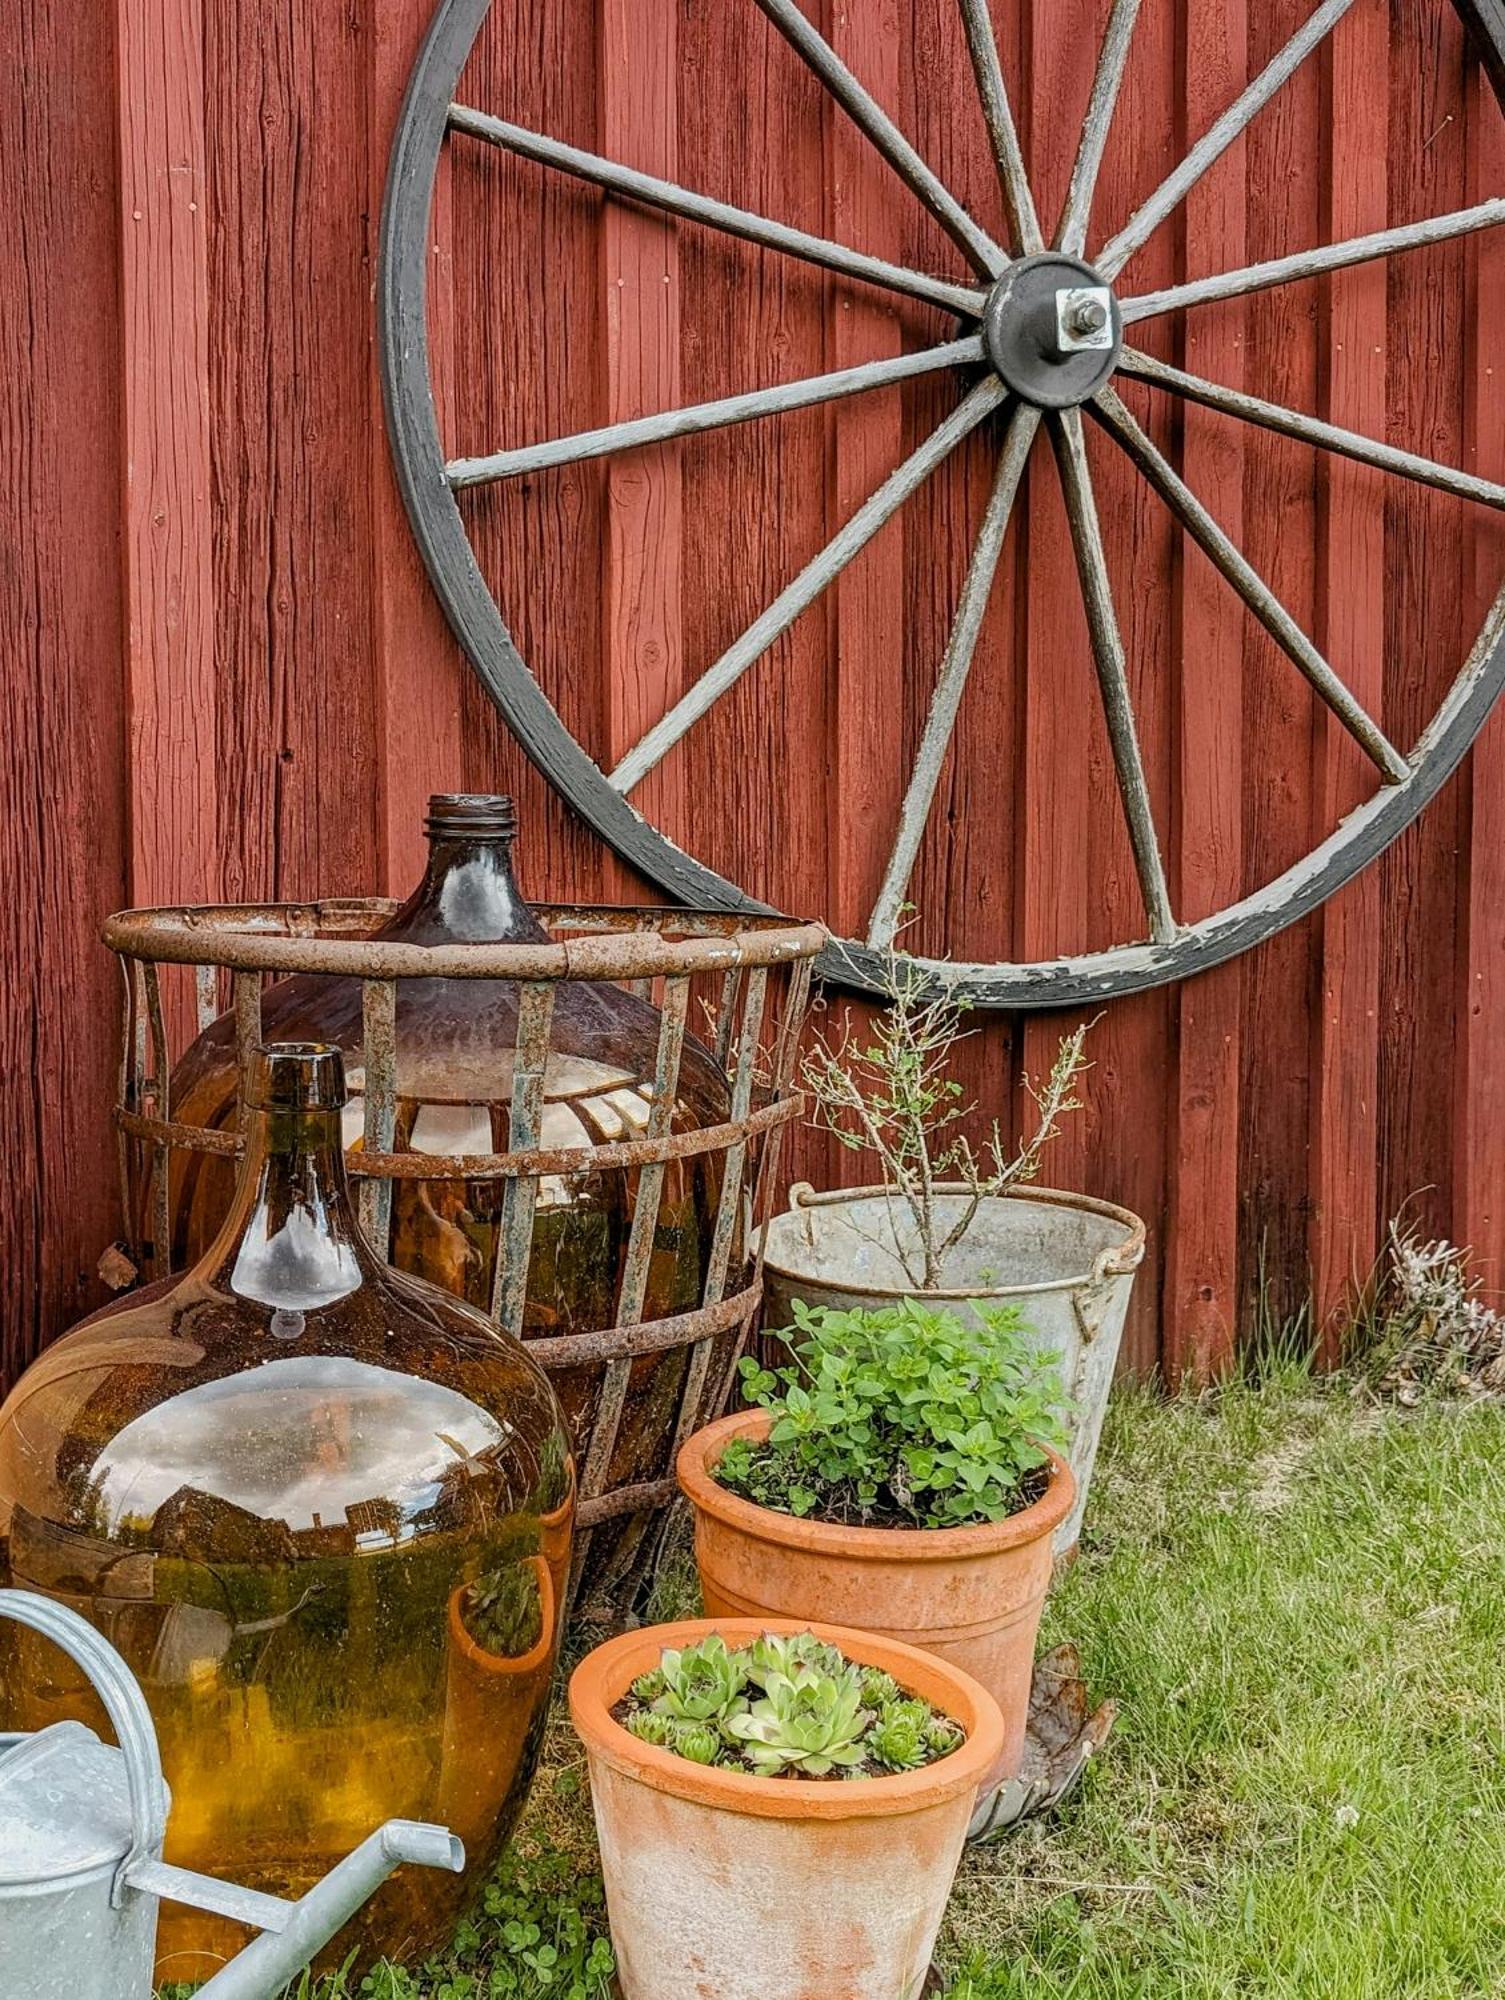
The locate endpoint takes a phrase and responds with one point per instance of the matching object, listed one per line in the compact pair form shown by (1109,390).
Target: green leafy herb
(904,1415)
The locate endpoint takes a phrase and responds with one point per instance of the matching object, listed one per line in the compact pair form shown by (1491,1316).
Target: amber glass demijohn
(455,1042)
(323,1509)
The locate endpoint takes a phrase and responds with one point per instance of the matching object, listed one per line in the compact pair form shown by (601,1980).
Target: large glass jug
(323,1510)
(455,1043)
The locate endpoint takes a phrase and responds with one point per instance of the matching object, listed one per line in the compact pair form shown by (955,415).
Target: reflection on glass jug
(301,1494)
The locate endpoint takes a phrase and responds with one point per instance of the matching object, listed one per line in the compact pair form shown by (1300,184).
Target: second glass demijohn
(455,1042)
(323,1510)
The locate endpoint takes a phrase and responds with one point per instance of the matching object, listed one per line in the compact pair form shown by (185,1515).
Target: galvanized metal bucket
(1065,1260)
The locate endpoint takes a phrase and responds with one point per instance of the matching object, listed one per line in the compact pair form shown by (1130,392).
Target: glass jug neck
(291,1240)
(469,894)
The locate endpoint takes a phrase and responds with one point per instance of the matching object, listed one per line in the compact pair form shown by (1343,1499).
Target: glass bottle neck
(291,1240)
(468,895)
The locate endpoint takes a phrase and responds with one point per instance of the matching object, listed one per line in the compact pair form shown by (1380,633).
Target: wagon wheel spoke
(668,424)
(1312,263)
(871,119)
(1013,176)
(807,586)
(955,668)
(1112,673)
(739,222)
(1219,136)
(1311,430)
(1112,62)
(1251,587)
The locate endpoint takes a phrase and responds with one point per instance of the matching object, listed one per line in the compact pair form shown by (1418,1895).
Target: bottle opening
(471,816)
(297,1076)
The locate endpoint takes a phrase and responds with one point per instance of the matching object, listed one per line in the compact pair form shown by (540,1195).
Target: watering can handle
(126,1707)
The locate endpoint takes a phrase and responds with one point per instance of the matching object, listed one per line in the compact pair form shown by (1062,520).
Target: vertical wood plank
(1062,736)
(526,264)
(287,96)
(641,621)
(1200,1290)
(867,441)
(1351,557)
(1427,573)
(1280,526)
(420,670)
(64,851)
(167,524)
(1479,1075)
(962,887)
(1127,1154)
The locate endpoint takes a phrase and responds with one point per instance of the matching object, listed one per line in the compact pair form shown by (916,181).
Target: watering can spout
(265,1966)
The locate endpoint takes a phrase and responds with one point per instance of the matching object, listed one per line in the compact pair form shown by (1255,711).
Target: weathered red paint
(231,678)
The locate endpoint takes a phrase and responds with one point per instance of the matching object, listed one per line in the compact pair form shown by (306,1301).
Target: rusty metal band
(256,939)
(563,1161)
(649,1336)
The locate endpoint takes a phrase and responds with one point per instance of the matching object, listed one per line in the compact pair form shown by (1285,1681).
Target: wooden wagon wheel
(1043,333)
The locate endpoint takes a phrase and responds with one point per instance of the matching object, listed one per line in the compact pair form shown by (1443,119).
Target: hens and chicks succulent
(785,1706)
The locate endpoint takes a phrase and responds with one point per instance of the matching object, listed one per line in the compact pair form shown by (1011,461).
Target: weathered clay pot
(723,1884)
(970,1596)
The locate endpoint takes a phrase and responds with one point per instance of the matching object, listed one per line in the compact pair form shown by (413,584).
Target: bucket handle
(1090,1302)
(126,1707)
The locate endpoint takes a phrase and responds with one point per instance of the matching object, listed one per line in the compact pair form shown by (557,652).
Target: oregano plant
(901,1415)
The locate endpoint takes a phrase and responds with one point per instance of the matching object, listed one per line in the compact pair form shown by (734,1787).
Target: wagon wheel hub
(1052,331)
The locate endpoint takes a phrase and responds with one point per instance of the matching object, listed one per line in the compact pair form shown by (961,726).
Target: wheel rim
(429,485)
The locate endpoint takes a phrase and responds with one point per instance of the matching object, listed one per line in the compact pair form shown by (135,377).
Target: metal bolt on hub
(1084,319)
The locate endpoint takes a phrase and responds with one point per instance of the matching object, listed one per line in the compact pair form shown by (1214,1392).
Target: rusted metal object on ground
(751,975)
(1065,1730)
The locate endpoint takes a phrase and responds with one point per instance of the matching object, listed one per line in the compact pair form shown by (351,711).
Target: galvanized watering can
(81,1868)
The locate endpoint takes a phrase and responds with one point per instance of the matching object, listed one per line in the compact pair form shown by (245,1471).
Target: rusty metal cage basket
(753,976)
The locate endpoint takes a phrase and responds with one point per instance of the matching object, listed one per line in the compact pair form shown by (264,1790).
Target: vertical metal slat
(379,1127)
(206,995)
(640,1240)
(509,1285)
(732,1174)
(161,1093)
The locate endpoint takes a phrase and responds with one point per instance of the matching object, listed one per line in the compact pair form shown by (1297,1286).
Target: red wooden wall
(228,679)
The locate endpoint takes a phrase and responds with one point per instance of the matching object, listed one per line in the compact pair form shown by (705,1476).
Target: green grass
(1296,1597)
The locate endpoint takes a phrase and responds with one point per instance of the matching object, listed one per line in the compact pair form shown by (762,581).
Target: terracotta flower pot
(719,1883)
(484,1692)
(971,1596)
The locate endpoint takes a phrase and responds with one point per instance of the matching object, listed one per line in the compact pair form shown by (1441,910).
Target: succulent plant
(879,1688)
(942,1735)
(792,1655)
(787,1705)
(898,1738)
(807,1725)
(651,1727)
(701,1742)
(702,1683)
